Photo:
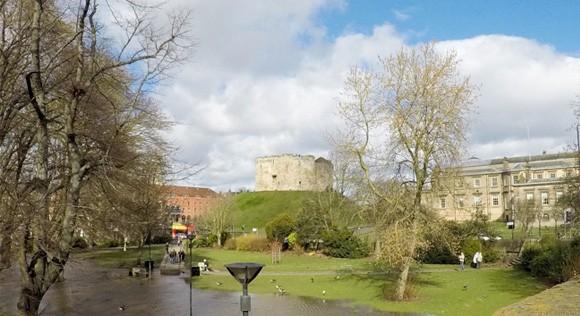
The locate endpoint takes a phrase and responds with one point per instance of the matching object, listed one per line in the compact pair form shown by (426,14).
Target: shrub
(492,255)
(249,243)
(200,242)
(292,238)
(341,243)
(551,259)
(231,244)
(80,243)
(437,253)
(470,247)
(161,239)
(112,243)
(212,239)
(528,255)
(280,227)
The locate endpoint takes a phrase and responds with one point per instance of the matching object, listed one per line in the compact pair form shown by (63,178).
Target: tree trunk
(40,275)
(377,247)
(401,284)
(29,302)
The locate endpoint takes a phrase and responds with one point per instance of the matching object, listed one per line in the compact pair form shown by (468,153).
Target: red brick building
(192,201)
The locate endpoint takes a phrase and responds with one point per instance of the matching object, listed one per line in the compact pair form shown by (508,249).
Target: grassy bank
(440,290)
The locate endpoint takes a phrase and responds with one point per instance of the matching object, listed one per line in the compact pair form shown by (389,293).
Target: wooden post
(276,254)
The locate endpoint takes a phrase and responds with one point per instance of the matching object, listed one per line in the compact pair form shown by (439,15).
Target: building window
(539,176)
(516,179)
(552,175)
(495,200)
(476,183)
(530,196)
(442,202)
(461,202)
(558,195)
(477,200)
(545,199)
(494,182)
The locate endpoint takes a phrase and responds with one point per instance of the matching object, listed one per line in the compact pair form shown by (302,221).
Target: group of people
(175,256)
(477,259)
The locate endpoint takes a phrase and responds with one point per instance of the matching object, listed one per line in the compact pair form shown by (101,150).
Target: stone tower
(289,172)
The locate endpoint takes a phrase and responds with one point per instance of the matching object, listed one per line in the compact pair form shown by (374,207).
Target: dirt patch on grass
(562,299)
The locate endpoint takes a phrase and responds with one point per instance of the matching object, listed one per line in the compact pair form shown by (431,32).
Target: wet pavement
(93,290)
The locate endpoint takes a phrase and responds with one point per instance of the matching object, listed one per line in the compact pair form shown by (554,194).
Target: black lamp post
(245,272)
(190,237)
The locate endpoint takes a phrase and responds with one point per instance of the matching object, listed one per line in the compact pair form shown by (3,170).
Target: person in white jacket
(477,259)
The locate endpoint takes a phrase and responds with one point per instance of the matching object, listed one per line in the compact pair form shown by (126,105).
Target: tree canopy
(403,121)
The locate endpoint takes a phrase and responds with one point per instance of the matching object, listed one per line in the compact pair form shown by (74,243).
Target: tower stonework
(289,172)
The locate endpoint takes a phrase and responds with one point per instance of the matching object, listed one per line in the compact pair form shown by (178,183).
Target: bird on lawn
(272,280)
(323,292)
(281,290)
(219,283)
(122,307)
(312,280)
(337,277)
(465,287)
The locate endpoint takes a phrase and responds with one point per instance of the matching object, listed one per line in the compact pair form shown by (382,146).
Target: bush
(437,253)
(492,255)
(161,239)
(280,227)
(528,255)
(341,243)
(470,247)
(112,243)
(201,242)
(551,259)
(80,243)
(231,244)
(292,238)
(248,243)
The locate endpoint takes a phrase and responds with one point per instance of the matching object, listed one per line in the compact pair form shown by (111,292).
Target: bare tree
(71,99)
(526,213)
(403,121)
(219,220)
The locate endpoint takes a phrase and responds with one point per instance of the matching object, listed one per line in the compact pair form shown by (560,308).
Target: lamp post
(190,237)
(245,272)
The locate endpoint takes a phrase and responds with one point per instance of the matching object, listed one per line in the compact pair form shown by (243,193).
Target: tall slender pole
(190,245)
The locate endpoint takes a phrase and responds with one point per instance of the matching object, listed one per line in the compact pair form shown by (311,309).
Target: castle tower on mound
(289,172)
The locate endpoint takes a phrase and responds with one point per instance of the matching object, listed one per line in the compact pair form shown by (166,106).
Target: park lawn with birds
(435,289)
(441,292)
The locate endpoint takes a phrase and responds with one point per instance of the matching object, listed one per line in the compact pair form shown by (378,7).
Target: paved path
(169,268)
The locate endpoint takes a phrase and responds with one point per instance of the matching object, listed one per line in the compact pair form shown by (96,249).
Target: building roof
(192,191)
(539,162)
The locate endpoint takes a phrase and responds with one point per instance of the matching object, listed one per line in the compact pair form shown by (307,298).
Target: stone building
(289,172)
(496,186)
(191,202)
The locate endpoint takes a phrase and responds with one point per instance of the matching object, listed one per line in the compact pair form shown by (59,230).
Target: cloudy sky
(265,74)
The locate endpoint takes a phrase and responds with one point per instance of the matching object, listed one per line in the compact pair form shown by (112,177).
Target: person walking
(479,260)
(461,261)
(475,256)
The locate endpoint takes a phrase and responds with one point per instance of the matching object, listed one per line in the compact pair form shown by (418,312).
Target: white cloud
(525,89)
(263,81)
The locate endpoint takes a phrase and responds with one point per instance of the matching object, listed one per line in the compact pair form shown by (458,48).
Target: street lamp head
(244,272)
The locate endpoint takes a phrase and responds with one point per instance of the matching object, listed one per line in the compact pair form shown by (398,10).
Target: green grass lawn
(438,289)
(442,292)
(117,258)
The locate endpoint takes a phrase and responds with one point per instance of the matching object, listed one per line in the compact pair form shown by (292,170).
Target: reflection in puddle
(92,290)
